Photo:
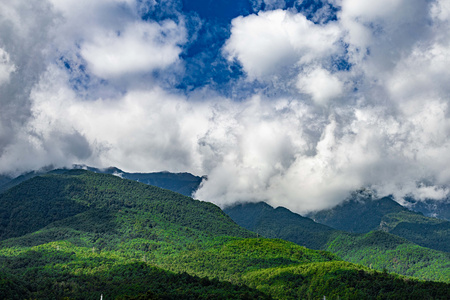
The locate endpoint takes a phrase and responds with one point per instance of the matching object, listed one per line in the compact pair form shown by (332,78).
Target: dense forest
(377,249)
(361,214)
(78,235)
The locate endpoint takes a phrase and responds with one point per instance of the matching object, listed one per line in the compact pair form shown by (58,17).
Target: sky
(292,102)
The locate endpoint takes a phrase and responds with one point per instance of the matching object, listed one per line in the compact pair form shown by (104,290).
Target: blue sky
(296,103)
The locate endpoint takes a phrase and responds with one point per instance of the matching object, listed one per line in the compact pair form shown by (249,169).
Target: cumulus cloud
(268,42)
(321,85)
(364,98)
(140,47)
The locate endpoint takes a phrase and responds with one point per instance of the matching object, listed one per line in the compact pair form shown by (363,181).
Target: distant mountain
(186,184)
(377,249)
(183,183)
(431,208)
(4,179)
(78,234)
(364,212)
(281,223)
(45,199)
(359,214)
(7,182)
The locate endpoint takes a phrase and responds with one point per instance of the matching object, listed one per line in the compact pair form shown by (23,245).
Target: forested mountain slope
(378,249)
(183,183)
(81,234)
(362,214)
(281,223)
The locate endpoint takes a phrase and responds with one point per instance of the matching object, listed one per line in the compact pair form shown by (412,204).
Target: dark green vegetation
(362,214)
(78,234)
(7,182)
(281,223)
(381,250)
(378,249)
(183,183)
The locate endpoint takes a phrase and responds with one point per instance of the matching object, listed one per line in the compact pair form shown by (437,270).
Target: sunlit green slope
(379,250)
(363,213)
(81,234)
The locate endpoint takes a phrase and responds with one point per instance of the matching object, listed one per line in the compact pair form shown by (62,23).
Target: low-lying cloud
(360,100)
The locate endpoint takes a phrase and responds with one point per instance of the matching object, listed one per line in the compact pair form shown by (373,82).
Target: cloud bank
(294,105)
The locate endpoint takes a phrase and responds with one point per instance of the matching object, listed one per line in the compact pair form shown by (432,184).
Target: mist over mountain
(376,249)
(365,212)
(183,183)
(431,208)
(187,184)
(297,103)
(331,111)
(80,234)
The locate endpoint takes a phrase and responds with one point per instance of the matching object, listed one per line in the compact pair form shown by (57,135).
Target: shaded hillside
(4,179)
(45,199)
(61,270)
(7,182)
(431,208)
(379,249)
(183,183)
(362,214)
(358,214)
(281,223)
(125,236)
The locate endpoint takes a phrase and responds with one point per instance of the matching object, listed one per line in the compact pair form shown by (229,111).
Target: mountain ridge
(378,249)
(126,228)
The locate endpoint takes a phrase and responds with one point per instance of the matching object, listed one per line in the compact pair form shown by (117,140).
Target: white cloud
(321,85)
(268,42)
(114,41)
(380,32)
(6,66)
(140,47)
(383,122)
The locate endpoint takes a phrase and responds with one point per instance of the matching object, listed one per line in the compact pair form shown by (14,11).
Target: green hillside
(60,270)
(358,214)
(378,249)
(81,234)
(183,183)
(281,223)
(363,214)
(45,199)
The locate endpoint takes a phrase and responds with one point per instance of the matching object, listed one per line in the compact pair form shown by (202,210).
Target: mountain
(4,179)
(281,223)
(377,249)
(183,183)
(48,198)
(186,184)
(431,208)
(383,251)
(7,182)
(80,234)
(364,212)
